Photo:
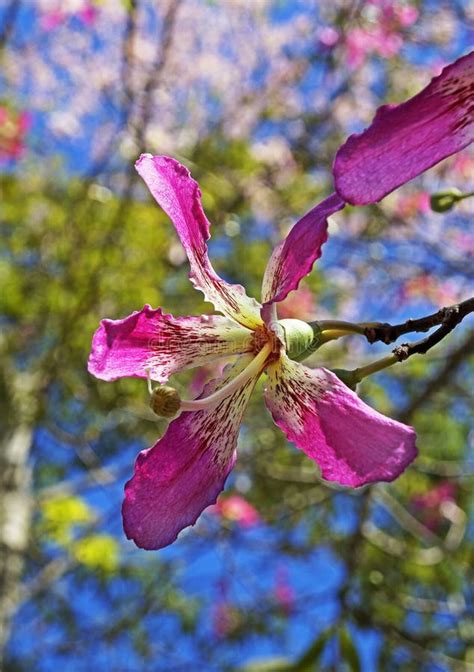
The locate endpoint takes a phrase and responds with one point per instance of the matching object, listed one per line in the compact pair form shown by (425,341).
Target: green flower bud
(300,338)
(443,201)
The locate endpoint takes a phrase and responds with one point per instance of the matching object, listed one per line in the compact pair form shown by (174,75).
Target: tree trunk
(15,521)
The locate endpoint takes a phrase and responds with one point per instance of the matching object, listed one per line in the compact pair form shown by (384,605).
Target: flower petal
(405,140)
(180,197)
(151,340)
(352,443)
(294,257)
(184,472)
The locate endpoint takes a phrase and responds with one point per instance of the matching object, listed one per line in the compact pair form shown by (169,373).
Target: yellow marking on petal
(294,388)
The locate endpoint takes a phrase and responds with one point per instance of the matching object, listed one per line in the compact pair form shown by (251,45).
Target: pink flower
(183,473)
(13,128)
(284,593)
(299,306)
(53,18)
(406,15)
(328,37)
(88,14)
(361,42)
(226,616)
(429,506)
(428,287)
(226,619)
(464,242)
(384,38)
(444,492)
(235,508)
(412,205)
(463,165)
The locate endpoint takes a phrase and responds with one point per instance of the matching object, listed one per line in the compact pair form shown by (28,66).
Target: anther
(165,401)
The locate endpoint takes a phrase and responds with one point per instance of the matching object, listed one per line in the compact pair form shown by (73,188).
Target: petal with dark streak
(179,195)
(405,140)
(183,473)
(162,344)
(351,442)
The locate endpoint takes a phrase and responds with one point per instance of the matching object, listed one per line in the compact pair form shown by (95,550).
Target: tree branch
(9,19)
(448,318)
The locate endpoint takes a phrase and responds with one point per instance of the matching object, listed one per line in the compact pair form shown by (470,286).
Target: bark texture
(15,521)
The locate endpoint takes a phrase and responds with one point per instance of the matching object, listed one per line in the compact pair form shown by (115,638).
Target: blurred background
(254,96)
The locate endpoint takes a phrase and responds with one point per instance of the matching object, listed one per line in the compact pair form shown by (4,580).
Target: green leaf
(313,653)
(349,650)
(98,552)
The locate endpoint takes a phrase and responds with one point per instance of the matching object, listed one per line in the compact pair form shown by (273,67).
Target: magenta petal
(294,257)
(352,443)
(405,140)
(151,340)
(180,197)
(182,474)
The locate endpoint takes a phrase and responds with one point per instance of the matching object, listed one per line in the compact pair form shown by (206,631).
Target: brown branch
(9,20)
(155,75)
(448,318)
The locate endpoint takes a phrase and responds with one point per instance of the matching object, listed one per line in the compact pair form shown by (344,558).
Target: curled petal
(150,340)
(352,443)
(182,474)
(294,257)
(180,197)
(405,140)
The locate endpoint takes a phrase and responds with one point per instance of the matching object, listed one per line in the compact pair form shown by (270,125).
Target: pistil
(166,402)
(255,367)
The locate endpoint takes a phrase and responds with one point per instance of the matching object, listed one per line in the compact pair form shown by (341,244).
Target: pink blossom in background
(428,506)
(428,287)
(406,15)
(225,619)
(88,14)
(301,305)
(362,42)
(13,129)
(444,492)
(184,472)
(226,616)
(51,20)
(393,14)
(463,241)
(463,165)
(328,37)
(283,591)
(54,13)
(384,37)
(410,205)
(236,509)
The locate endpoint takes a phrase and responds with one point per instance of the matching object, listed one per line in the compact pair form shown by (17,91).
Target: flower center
(163,401)
(296,336)
(261,336)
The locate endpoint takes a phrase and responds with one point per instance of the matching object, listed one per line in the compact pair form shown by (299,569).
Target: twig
(10,16)
(448,317)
